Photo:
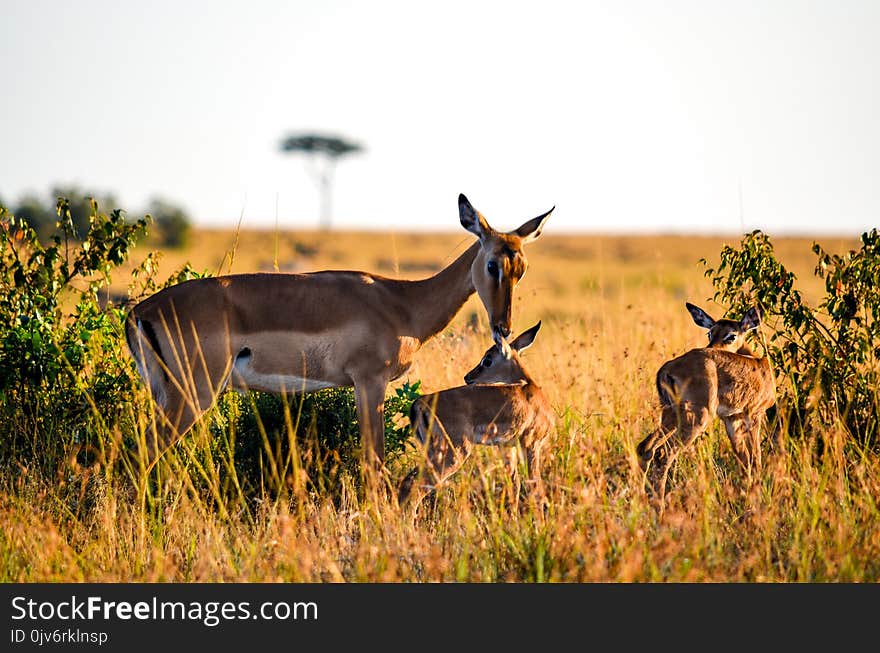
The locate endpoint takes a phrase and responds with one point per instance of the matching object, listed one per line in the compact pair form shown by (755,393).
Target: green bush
(63,375)
(825,357)
(256,427)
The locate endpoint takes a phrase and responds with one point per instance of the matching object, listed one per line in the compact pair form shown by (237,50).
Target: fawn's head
(501,363)
(500,263)
(724,333)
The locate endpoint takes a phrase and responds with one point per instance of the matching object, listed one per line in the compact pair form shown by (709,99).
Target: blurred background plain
(674,117)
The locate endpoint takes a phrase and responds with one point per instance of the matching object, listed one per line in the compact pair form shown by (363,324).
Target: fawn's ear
(700,316)
(530,230)
(525,339)
(751,319)
(471,219)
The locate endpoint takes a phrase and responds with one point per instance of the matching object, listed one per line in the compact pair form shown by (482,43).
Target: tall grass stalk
(257,493)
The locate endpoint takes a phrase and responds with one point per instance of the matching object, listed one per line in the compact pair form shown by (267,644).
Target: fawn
(724,379)
(500,405)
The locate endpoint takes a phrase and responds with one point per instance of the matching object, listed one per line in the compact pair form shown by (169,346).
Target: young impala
(500,405)
(724,379)
(303,332)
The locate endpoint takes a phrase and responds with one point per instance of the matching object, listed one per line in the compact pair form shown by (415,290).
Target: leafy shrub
(826,357)
(62,371)
(258,428)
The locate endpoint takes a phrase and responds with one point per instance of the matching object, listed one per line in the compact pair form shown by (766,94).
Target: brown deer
(500,405)
(724,379)
(303,332)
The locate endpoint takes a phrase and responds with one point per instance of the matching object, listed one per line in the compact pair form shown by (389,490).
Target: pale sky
(672,116)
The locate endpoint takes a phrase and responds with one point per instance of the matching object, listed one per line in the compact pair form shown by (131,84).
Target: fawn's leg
(667,426)
(693,420)
(744,434)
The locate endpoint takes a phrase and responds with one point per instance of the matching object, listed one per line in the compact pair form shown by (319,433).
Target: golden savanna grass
(613,310)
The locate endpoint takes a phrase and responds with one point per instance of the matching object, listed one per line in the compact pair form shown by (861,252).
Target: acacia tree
(322,153)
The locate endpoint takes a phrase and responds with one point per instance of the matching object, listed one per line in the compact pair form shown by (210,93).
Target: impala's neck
(435,301)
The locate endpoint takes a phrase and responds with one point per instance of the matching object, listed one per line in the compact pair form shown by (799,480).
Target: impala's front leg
(533,465)
(369,393)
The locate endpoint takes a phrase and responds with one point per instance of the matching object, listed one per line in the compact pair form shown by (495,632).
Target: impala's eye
(492,268)
(729,338)
(487,362)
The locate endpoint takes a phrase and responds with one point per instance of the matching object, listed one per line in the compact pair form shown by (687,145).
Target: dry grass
(613,311)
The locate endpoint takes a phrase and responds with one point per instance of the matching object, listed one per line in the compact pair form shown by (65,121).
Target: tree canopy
(326,149)
(330,145)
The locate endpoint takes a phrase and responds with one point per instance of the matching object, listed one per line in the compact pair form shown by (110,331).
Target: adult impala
(724,379)
(303,332)
(501,405)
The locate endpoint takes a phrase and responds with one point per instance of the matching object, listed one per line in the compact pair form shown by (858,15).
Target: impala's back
(726,368)
(482,414)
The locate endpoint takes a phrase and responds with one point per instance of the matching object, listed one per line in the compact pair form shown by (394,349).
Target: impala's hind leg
(744,434)
(693,420)
(184,370)
(737,435)
(171,421)
(647,447)
(695,407)
(654,452)
(189,386)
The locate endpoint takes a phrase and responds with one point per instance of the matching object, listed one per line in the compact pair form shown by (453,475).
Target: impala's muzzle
(502,344)
(500,331)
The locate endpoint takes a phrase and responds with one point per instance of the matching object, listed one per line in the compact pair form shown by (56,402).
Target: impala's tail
(147,354)
(665,385)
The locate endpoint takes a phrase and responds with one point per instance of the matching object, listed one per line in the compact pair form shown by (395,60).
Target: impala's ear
(471,219)
(700,316)
(530,230)
(752,318)
(525,339)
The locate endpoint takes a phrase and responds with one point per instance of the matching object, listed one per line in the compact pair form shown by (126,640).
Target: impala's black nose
(502,330)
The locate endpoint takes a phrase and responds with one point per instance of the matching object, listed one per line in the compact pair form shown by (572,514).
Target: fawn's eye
(492,268)
(487,362)
(729,338)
